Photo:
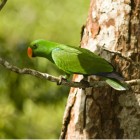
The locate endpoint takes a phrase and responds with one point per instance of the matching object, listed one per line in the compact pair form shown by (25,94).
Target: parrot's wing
(75,61)
(67,61)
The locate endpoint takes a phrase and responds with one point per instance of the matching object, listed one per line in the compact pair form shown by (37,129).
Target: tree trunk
(107,113)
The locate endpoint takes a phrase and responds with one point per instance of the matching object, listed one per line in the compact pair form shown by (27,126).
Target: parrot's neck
(44,52)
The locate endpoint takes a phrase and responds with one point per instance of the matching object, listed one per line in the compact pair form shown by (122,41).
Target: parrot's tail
(115,80)
(112,75)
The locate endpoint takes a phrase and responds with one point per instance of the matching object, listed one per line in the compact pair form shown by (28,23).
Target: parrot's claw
(85,81)
(61,78)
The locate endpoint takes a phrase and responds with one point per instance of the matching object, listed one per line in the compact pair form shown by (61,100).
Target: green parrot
(74,60)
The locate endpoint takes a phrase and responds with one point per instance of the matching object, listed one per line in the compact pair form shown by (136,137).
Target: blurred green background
(32,107)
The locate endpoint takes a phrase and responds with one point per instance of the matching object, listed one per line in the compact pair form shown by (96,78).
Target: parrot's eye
(34,46)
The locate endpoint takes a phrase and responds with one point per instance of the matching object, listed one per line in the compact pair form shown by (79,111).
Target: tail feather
(112,75)
(117,84)
(115,80)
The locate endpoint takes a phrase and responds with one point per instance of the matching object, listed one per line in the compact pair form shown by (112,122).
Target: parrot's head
(31,51)
(40,48)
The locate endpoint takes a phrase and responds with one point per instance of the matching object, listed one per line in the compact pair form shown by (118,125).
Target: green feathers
(73,60)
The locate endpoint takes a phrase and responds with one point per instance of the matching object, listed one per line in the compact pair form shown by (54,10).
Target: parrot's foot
(61,78)
(84,81)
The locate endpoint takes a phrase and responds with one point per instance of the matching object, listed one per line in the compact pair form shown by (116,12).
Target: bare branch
(3,2)
(51,78)
(133,82)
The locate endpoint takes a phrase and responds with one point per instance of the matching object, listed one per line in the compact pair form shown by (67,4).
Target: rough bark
(106,113)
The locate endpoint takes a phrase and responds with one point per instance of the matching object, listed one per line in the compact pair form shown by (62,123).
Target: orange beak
(29,52)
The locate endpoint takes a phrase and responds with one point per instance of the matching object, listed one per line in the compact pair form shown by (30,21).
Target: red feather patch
(29,52)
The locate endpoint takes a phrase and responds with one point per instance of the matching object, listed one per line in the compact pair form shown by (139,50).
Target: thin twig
(51,78)
(3,2)
(122,56)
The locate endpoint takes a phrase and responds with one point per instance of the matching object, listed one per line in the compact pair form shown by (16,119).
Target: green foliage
(32,107)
